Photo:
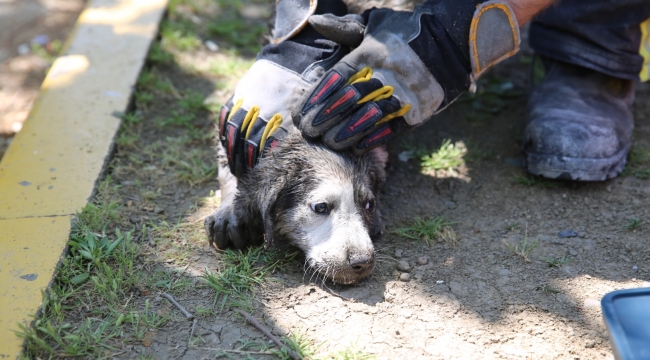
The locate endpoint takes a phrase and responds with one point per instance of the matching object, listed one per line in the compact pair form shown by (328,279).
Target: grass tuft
(531,180)
(447,157)
(241,272)
(524,248)
(556,261)
(633,224)
(427,230)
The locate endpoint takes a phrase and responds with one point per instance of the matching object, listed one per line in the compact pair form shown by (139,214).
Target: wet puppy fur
(304,195)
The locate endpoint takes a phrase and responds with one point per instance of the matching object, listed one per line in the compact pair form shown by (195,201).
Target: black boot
(579,124)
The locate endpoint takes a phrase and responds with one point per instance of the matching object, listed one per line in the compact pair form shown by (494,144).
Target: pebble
(423,260)
(134,219)
(635,268)
(24,49)
(590,344)
(211,45)
(440,282)
(590,303)
(405,277)
(403,266)
(504,272)
(582,234)
(398,253)
(158,210)
(567,234)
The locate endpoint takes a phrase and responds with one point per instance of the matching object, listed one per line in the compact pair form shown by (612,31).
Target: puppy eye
(321,208)
(370,205)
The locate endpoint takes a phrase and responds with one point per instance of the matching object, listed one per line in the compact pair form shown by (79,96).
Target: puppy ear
(378,159)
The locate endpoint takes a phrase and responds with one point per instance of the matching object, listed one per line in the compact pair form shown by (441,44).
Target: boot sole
(576,169)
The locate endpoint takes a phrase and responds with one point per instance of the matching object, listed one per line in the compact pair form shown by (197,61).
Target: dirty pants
(609,36)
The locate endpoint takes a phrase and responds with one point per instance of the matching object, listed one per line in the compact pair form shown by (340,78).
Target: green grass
(241,271)
(448,156)
(633,224)
(524,248)
(178,35)
(512,226)
(160,56)
(192,101)
(238,33)
(556,261)
(427,229)
(143,97)
(352,353)
(532,180)
(638,163)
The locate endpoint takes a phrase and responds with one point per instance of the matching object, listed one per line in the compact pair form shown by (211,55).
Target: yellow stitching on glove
(383,92)
(362,76)
(397,113)
(235,107)
(249,120)
(270,128)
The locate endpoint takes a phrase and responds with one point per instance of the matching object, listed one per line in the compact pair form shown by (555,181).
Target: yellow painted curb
(50,170)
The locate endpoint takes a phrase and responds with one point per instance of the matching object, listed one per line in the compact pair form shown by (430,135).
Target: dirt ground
(468,294)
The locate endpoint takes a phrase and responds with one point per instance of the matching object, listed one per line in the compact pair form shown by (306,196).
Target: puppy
(307,196)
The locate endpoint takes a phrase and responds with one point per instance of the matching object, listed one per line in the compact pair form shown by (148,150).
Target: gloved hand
(406,67)
(258,115)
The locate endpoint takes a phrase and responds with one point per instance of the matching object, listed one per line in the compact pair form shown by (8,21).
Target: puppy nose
(360,262)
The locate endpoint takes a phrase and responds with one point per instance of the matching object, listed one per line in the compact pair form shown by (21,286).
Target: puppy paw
(224,230)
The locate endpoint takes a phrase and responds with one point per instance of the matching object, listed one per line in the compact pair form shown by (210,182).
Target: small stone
(158,210)
(405,277)
(582,234)
(440,282)
(128,183)
(589,344)
(450,204)
(398,253)
(405,156)
(211,45)
(504,272)
(590,303)
(635,268)
(403,266)
(23,49)
(134,219)
(567,234)
(423,260)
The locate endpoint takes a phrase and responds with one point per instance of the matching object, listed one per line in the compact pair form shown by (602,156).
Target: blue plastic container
(627,315)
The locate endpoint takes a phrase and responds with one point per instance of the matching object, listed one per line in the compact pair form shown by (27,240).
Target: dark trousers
(602,35)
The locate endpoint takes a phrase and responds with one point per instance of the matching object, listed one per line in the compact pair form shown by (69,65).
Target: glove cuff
(493,37)
(291,15)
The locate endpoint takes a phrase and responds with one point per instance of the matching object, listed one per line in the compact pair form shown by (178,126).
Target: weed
(143,97)
(512,226)
(238,33)
(425,229)
(241,271)
(524,248)
(131,119)
(231,67)
(158,55)
(633,224)
(448,156)
(638,163)
(193,167)
(178,35)
(146,78)
(95,218)
(48,52)
(531,180)
(193,101)
(127,140)
(178,119)
(554,261)
(547,289)
(352,353)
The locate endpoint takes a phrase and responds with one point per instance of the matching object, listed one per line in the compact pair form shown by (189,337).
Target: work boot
(579,124)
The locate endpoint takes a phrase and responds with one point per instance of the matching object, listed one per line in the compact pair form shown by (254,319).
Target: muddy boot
(579,124)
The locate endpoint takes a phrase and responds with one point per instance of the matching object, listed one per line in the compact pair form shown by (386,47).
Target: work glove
(406,67)
(258,115)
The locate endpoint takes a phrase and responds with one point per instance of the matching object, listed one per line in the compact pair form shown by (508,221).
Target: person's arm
(406,67)
(525,10)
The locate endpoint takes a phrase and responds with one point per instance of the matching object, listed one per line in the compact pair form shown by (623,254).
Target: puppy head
(323,202)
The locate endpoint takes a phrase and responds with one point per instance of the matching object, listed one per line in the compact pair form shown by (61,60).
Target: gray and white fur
(302,194)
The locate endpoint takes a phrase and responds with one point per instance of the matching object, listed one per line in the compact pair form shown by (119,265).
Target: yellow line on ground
(50,170)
